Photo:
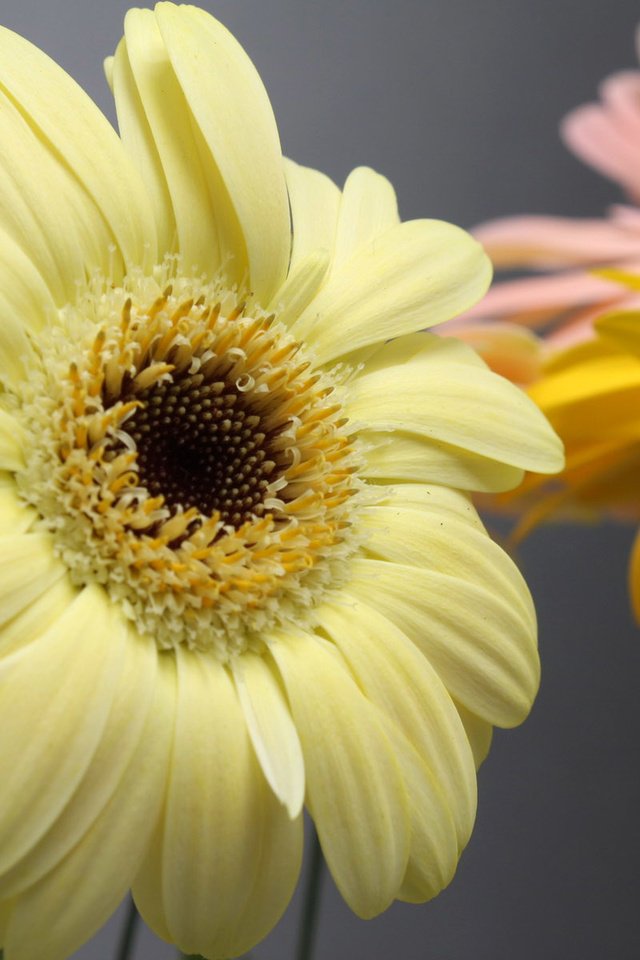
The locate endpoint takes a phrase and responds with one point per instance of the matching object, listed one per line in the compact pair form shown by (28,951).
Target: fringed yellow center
(191,459)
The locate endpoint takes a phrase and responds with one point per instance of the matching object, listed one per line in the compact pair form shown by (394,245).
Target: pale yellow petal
(15,515)
(403,456)
(412,276)
(26,305)
(368,208)
(70,673)
(11,447)
(395,676)
(212,816)
(44,211)
(300,287)
(107,66)
(271,729)
(135,689)
(147,886)
(433,499)
(136,130)
(479,732)
(459,404)
(482,647)
(158,130)
(69,125)
(232,110)
(49,924)
(218,824)
(434,851)
(355,791)
(28,568)
(315,201)
(513,351)
(276,874)
(420,347)
(446,545)
(37,617)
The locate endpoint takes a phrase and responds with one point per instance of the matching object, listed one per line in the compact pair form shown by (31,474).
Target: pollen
(189,456)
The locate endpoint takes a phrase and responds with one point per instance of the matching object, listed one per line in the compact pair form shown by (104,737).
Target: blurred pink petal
(606,135)
(538,241)
(624,216)
(564,303)
(535,300)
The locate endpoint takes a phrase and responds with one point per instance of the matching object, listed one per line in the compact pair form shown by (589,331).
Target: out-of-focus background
(457,102)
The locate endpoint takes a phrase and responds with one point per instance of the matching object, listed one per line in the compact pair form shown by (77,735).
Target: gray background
(457,101)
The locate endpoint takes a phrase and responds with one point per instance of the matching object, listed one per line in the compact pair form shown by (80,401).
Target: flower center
(186,454)
(199,444)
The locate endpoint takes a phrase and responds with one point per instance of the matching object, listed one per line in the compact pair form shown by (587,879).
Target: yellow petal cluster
(354,634)
(590,393)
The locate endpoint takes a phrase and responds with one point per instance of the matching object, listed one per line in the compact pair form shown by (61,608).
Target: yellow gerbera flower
(590,394)
(238,570)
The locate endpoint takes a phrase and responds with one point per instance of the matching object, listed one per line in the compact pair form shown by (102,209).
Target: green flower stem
(128,935)
(311,903)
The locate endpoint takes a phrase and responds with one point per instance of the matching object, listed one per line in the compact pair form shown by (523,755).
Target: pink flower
(564,301)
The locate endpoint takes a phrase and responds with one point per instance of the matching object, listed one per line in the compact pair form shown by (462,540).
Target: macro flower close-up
(241,570)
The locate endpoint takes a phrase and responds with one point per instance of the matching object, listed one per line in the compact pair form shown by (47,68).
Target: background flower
(579,258)
(590,393)
(579,369)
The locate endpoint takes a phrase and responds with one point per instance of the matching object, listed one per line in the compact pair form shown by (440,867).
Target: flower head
(240,566)
(579,258)
(589,392)
(580,363)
